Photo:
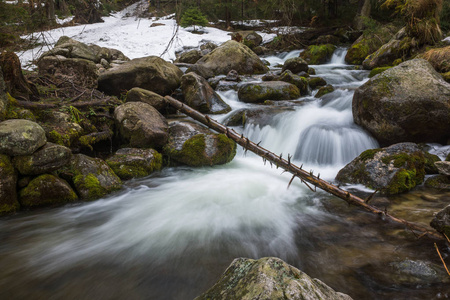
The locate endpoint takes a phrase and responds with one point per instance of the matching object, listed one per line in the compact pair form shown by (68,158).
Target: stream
(172,234)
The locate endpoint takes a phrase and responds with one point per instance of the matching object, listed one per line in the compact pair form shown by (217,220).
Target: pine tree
(192,17)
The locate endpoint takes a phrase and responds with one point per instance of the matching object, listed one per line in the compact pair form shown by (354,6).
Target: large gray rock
(151,73)
(8,183)
(45,160)
(130,163)
(258,92)
(20,137)
(410,102)
(229,56)
(295,65)
(194,145)
(267,279)
(45,190)
(141,125)
(441,221)
(391,170)
(92,177)
(146,96)
(199,95)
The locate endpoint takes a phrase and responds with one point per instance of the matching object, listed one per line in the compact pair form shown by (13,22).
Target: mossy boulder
(45,190)
(440,182)
(146,96)
(194,145)
(295,65)
(409,102)
(141,126)
(46,159)
(92,177)
(392,170)
(229,56)
(130,163)
(189,57)
(441,221)
(250,38)
(369,42)
(151,73)
(266,279)
(8,183)
(324,90)
(20,137)
(299,81)
(199,95)
(318,54)
(258,92)
(377,71)
(61,128)
(315,82)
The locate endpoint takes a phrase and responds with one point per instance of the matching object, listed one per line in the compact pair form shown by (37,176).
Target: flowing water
(172,234)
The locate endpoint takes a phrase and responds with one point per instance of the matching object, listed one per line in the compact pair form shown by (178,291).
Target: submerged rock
(441,221)
(130,163)
(194,145)
(20,137)
(267,279)
(268,90)
(8,182)
(392,170)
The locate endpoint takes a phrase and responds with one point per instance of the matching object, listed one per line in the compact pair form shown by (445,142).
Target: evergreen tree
(192,17)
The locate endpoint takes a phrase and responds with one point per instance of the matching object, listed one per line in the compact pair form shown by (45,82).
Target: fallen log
(305,176)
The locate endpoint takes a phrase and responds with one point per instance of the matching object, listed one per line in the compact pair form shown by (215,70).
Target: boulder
(92,177)
(45,160)
(194,145)
(20,137)
(443,167)
(130,163)
(151,73)
(146,96)
(250,38)
(318,54)
(392,170)
(8,183)
(189,57)
(299,81)
(324,90)
(229,56)
(295,65)
(199,95)
(315,82)
(258,92)
(266,279)
(441,221)
(410,102)
(77,70)
(141,125)
(46,189)
(441,182)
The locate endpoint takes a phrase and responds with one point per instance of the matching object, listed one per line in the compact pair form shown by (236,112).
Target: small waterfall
(338,57)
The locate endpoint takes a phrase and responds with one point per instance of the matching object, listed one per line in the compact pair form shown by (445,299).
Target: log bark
(305,176)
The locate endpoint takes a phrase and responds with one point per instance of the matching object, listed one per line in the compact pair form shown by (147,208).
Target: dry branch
(295,170)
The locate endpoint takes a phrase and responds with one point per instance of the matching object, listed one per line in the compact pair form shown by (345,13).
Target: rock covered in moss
(20,137)
(231,55)
(8,182)
(409,102)
(45,190)
(318,54)
(266,279)
(130,163)
(315,82)
(258,92)
(146,96)
(199,95)
(151,73)
(299,81)
(295,65)
(440,182)
(441,221)
(392,170)
(377,71)
(324,90)
(46,159)
(194,145)
(61,128)
(92,177)
(141,125)
(250,38)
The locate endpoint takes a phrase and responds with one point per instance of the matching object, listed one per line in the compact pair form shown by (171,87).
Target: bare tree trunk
(50,10)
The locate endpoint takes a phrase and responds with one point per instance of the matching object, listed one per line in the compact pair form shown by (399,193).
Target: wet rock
(92,177)
(410,102)
(229,56)
(130,163)
(45,190)
(392,170)
(295,65)
(261,116)
(443,167)
(266,279)
(146,96)
(199,95)
(8,182)
(318,54)
(416,272)
(151,73)
(298,81)
(20,137)
(195,145)
(324,90)
(268,90)
(141,125)
(441,221)
(232,76)
(45,160)
(441,182)
(189,57)
(314,82)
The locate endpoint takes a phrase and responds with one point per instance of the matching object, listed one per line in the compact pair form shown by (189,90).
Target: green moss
(227,150)
(377,71)
(438,182)
(193,151)
(318,54)
(91,184)
(135,169)
(368,154)
(403,181)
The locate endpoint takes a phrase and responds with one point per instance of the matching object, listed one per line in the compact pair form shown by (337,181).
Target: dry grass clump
(439,58)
